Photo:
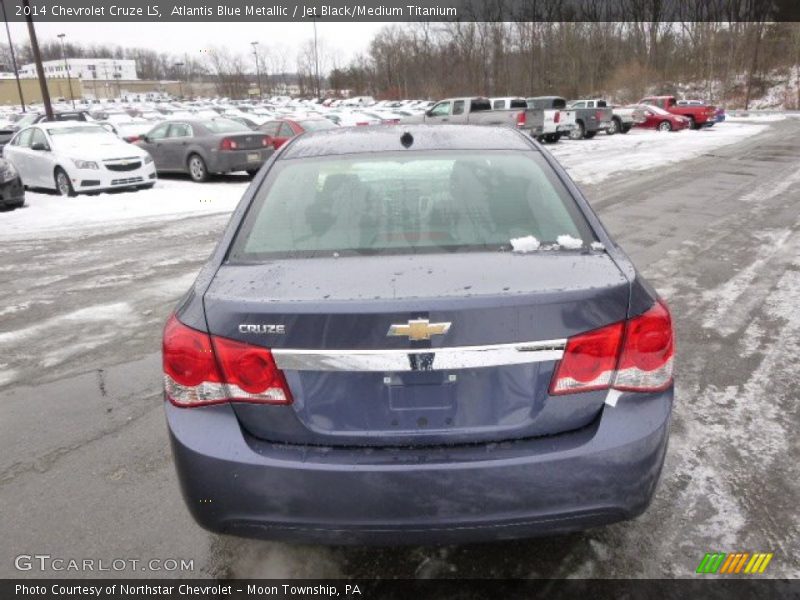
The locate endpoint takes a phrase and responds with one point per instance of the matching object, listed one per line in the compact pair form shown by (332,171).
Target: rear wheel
(63,184)
(693,123)
(197,168)
(615,127)
(625,128)
(665,126)
(578,131)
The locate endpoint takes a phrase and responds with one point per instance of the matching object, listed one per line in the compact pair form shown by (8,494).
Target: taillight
(200,369)
(635,355)
(132,138)
(228,144)
(362,123)
(521,117)
(191,376)
(557,117)
(646,360)
(589,361)
(250,373)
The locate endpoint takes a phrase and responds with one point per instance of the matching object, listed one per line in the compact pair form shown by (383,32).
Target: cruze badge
(256,328)
(418,329)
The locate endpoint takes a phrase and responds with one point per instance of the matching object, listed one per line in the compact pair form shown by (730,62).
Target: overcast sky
(344,39)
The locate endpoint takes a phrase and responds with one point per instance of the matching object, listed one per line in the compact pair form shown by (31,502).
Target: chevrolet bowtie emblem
(418,329)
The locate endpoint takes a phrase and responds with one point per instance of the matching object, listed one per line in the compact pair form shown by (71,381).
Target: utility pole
(258,71)
(37,58)
(13,57)
(66,66)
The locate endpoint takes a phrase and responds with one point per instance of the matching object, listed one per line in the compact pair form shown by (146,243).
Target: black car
(12,194)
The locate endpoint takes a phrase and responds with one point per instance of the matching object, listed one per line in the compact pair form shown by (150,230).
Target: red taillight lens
(251,373)
(646,360)
(557,117)
(192,376)
(361,123)
(228,144)
(589,361)
(630,356)
(521,118)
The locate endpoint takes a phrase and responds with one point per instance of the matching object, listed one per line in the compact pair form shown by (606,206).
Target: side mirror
(40,146)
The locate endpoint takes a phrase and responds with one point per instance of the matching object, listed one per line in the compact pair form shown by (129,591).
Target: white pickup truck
(557,119)
(479,111)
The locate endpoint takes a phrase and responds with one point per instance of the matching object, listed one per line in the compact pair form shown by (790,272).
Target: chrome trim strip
(460,357)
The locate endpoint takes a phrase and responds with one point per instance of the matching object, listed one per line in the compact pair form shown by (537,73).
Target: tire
(552,138)
(589,135)
(615,127)
(693,123)
(665,126)
(63,184)
(578,132)
(197,168)
(252,173)
(625,128)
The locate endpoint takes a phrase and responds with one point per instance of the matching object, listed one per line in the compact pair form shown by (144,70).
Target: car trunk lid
(350,335)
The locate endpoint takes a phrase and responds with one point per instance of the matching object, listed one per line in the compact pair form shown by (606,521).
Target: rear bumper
(238,160)
(603,473)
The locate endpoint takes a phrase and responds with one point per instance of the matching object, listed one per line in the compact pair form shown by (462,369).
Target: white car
(73,157)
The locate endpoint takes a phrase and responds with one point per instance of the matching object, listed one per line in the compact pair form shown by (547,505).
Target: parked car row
(105,146)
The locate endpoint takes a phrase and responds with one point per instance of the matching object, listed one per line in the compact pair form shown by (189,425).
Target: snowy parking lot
(710,217)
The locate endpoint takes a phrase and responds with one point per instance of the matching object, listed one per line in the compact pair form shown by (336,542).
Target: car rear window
(407,203)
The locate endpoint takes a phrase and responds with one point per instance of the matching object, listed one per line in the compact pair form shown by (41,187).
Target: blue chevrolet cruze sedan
(416,334)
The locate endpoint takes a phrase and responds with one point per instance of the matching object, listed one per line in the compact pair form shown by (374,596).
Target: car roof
(386,138)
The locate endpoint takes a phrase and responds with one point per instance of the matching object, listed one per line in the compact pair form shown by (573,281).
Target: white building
(86,69)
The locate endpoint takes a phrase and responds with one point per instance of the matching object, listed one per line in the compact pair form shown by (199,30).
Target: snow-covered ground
(170,198)
(587,161)
(595,160)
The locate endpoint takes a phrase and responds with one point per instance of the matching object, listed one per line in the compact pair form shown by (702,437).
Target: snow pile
(45,212)
(525,244)
(569,243)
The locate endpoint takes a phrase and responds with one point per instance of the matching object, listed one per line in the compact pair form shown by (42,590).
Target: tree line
(724,61)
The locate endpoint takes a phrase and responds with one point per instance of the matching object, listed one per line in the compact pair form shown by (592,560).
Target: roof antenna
(406,139)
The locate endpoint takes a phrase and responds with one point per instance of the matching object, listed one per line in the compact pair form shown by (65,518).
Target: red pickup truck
(699,115)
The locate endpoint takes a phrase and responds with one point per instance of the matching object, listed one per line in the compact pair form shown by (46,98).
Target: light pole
(258,70)
(178,65)
(13,57)
(66,67)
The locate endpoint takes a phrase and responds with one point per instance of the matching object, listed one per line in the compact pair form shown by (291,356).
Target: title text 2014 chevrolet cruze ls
(416,334)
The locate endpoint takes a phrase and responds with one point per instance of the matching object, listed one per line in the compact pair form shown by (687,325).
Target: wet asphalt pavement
(85,468)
